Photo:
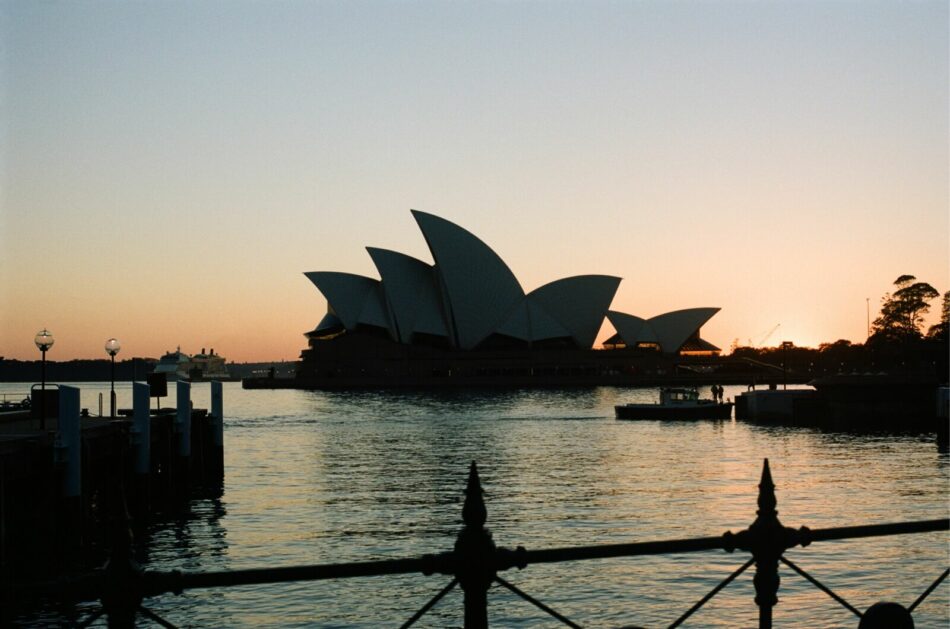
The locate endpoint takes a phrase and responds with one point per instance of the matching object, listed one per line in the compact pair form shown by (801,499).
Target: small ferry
(676,403)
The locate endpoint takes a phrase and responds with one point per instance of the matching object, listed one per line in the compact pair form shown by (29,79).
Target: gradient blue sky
(170,169)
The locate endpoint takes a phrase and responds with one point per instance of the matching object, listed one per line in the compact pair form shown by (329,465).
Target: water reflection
(329,477)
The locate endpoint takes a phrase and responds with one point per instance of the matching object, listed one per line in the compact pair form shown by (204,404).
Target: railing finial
(475,554)
(767,500)
(474,513)
(767,543)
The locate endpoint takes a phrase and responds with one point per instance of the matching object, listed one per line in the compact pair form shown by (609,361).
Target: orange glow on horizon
(160,185)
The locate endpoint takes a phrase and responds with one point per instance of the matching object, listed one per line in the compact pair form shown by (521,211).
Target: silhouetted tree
(940,331)
(902,313)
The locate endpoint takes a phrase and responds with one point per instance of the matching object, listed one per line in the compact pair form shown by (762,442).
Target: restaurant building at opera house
(466,320)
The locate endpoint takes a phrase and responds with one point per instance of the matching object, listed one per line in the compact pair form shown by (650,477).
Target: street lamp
(112,348)
(44,340)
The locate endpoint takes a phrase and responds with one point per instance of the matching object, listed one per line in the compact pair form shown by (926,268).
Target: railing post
(767,539)
(475,554)
(766,554)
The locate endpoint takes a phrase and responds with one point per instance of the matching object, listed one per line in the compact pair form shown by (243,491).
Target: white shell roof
(479,286)
(328,322)
(529,322)
(578,303)
(375,312)
(345,292)
(669,330)
(410,292)
(673,328)
(470,293)
(628,326)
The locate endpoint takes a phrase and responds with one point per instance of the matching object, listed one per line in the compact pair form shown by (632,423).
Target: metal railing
(475,562)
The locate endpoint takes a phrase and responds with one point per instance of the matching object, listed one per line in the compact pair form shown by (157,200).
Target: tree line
(899,341)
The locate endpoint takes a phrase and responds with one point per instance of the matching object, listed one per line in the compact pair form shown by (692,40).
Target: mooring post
(141,437)
(475,554)
(183,426)
(69,441)
(217,423)
(68,454)
(141,432)
(183,419)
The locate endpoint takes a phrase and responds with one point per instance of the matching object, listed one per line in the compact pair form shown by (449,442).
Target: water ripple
(334,477)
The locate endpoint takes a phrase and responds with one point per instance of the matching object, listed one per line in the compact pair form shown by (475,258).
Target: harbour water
(330,477)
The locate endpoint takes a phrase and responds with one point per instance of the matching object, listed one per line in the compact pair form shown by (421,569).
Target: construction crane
(765,336)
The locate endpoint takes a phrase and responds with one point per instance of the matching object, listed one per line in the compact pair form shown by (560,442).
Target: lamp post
(44,340)
(112,348)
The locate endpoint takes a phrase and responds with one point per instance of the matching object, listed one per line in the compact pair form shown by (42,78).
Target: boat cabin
(678,395)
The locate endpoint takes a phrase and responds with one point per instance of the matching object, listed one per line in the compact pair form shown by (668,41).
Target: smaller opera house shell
(467,315)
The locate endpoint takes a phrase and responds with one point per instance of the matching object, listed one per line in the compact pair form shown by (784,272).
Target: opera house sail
(464,318)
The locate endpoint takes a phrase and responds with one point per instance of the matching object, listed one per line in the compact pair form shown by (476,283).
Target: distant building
(180,366)
(468,314)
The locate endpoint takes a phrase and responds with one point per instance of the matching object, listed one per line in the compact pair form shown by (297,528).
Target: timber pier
(66,475)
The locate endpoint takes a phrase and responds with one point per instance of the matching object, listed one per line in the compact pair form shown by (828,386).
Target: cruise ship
(178,365)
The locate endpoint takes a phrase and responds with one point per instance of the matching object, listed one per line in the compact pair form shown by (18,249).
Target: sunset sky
(169,170)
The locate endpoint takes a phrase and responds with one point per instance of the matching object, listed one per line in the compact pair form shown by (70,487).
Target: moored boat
(676,403)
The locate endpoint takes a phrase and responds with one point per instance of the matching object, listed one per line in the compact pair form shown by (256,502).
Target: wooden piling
(182,464)
(59,486)
(217,423)
(68,456)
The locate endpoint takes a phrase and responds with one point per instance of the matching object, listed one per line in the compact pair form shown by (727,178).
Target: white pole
(183,418)
(70,440)
(141,427)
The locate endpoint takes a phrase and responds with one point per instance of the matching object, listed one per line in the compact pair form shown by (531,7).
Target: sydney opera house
(465,318)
